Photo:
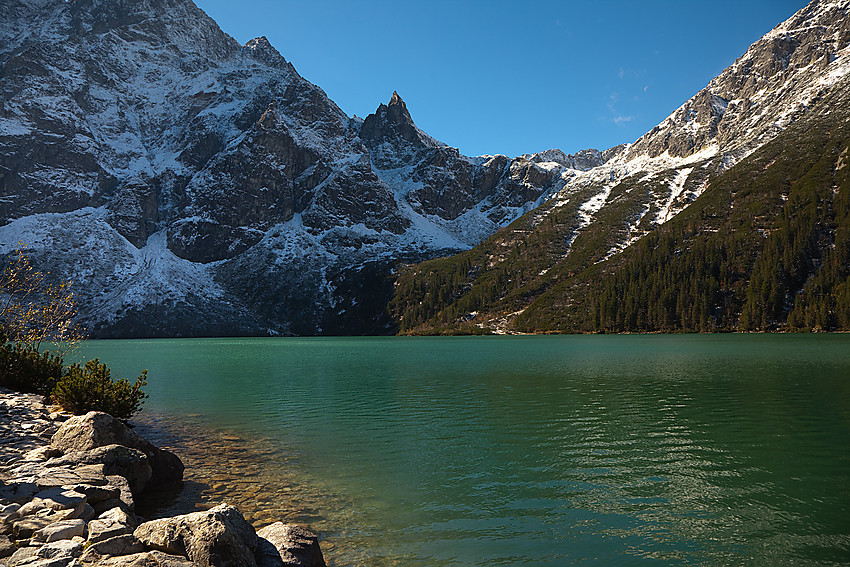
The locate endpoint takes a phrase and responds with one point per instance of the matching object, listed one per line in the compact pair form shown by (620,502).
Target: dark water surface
(545,451)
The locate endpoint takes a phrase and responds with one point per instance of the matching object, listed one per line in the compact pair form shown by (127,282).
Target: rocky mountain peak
(262,50)
(392,123)
(771,85)
(396,99)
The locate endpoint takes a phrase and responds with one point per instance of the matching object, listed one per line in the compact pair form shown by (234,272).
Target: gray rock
(42,453)
(7,548)
(219,537)
(119,545)
(119,460)
(98,429)
(53,562)
(102,507)
(17,491)
(56,498)
(147,559)
(31,508)
(65,529)
(59,549)
(125,494)
(22,555)
(288,545)
(95,494)
(28,526)
(119,515)
(34,477)
(103,529)
(88,513)
(9,512)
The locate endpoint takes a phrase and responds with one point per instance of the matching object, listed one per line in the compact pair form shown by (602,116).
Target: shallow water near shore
(547,451)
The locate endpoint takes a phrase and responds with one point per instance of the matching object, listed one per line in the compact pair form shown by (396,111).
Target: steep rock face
(189,185)
(772,84)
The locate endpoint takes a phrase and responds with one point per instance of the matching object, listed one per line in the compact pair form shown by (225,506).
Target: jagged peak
(582,160)
(396,100)
(261,42)
(261,49)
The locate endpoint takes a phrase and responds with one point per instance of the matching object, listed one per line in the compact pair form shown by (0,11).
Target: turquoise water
(545,451)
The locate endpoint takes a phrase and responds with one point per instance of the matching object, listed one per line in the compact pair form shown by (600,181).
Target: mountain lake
(528,450)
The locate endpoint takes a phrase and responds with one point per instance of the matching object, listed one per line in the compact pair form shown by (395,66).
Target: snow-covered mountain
(189,185)
(774,83)
(603,210)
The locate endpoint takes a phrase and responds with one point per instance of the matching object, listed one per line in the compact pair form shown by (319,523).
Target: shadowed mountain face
(637,229)
(189,185)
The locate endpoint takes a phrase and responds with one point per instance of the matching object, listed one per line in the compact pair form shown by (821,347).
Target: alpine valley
(191,186)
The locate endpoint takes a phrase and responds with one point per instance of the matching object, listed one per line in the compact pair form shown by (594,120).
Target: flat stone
(22,555)
(96,494)
(119,545)
(103,529)
(61,530)
(55,562)
(59,498)
(60,548)
(18,491)
(26,527)
(51,477)
(31,508)
(119,460)
(147,559)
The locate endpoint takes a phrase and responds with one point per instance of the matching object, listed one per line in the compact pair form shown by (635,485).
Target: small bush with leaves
(91,388)
(24,369)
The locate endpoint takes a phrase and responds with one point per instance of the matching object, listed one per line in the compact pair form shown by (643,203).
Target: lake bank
(68,493)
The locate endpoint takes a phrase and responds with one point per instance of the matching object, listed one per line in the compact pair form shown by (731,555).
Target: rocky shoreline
(68,491)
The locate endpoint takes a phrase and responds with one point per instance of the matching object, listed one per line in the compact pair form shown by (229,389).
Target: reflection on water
(709,450)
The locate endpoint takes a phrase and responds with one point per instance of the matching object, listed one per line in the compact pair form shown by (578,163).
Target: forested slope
(766,246)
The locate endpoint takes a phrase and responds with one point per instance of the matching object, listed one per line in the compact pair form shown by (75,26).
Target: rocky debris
(70,503)
(26,425)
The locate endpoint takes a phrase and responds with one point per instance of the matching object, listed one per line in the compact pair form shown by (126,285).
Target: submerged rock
(286,545)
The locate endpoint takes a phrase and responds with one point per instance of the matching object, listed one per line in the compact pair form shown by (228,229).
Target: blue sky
(510,77)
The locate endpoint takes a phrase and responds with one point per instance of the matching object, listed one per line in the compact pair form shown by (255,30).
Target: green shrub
(90,388)
(24,369)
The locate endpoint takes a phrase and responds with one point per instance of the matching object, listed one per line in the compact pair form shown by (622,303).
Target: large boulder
(120,460)
(219,537)
(97,429)
(287,545)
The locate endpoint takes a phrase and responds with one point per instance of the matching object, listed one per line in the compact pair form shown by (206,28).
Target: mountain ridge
(189,185)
